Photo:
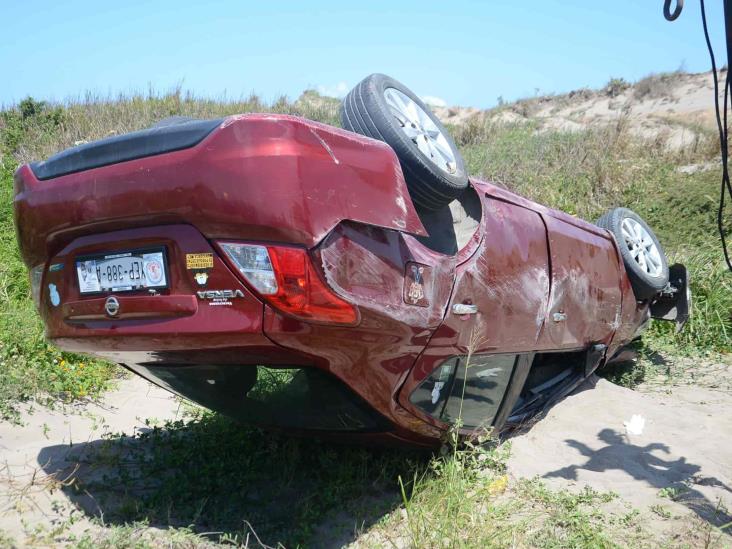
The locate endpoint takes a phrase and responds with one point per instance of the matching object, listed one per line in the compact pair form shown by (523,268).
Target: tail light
(286,279)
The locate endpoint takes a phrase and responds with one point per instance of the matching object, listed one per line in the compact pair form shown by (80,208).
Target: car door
(585,302)
(496,314)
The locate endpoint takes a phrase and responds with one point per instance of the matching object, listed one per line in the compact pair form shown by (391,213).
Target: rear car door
(493,323)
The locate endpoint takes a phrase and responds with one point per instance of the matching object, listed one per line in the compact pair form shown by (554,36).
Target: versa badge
(219,297)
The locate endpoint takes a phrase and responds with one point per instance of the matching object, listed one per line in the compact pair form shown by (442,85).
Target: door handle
(464,309)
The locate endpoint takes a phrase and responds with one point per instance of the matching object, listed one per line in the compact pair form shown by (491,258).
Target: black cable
(726,186)
(667,10)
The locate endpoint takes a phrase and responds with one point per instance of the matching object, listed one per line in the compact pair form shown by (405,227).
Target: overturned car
(351,282)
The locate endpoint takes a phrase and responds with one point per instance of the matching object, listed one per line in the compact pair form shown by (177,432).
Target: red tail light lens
(285,278)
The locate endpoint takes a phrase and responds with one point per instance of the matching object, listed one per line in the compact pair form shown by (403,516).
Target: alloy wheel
(421,130)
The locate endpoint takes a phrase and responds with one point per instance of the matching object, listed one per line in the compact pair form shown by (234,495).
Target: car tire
(382,108)
(642,253)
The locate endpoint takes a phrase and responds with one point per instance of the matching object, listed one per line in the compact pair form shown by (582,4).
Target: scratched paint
(325,145)
(262,177)
(585,287)
(278,178)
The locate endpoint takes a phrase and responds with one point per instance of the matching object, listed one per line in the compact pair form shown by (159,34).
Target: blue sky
(465,52)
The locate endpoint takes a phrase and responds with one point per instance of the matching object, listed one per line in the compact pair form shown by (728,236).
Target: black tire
(645,285)
(366,112)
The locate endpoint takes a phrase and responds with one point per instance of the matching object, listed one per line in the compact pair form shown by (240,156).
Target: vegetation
(587,172)
(655,86)
(210,480)
(616,86)
(29,366)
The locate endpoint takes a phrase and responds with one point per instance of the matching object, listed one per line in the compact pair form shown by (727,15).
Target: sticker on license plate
(122,272)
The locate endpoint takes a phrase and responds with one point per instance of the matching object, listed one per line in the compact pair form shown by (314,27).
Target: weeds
(465,499)
(616,86)
(655,86)
(583,173)
(139,536)
(29,366)
(209,481)
(215,475)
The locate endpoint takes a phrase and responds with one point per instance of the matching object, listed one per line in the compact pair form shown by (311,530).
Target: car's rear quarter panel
(366,265)
(259,177)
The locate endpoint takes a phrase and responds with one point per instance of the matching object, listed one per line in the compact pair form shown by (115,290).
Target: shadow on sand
(226,479)
(644,464)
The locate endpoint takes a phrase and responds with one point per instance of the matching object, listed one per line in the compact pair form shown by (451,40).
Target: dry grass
(655,86)
(461,499)
(94,117)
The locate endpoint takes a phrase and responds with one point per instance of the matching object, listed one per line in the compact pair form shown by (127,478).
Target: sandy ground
(675,113)
(678,464)
(30,499)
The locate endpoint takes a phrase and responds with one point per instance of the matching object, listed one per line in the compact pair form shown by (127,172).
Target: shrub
(655,86)
(616,86)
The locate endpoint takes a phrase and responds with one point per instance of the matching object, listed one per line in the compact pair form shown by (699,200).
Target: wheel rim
(421,130)
(642,247)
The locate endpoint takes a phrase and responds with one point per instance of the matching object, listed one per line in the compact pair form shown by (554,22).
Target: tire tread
(427,186)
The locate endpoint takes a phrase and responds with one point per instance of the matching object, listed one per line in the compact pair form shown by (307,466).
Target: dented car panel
(271,178)
(585,296)
(325,228)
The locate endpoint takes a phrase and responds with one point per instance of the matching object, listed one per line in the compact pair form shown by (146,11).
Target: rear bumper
(168,320)
(198,348)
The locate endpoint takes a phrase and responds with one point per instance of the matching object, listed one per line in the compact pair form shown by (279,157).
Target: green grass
(29,366)
(465,499)
(139,536)
(210,479)
(209,474)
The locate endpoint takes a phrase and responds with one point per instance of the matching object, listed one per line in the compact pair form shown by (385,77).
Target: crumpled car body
(374,334)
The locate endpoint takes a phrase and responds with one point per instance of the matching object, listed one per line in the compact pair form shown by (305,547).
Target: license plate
(122,272)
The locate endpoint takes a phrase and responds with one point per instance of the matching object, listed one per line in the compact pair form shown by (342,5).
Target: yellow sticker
(199,261)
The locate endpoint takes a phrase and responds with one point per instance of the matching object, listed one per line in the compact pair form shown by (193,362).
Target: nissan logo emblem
(112,306)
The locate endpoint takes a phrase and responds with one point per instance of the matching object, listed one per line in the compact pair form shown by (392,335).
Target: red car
(301,276)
